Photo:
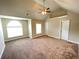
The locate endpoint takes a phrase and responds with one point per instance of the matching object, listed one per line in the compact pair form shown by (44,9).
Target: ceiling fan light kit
(45,10)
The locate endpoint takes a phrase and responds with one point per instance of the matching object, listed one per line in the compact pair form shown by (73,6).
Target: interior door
(65,29)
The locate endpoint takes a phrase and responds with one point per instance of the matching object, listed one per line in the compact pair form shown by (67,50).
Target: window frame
(15,28)
(40,28)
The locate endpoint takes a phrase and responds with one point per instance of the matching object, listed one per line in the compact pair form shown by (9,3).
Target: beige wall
(52,27)
(74,27)
(34,27)
(24,25)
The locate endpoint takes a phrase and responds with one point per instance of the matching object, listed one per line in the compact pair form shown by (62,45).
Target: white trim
(15,38)
(2,51)
(63,16)
(66,40)
(73,41)
(2,40)
(37,35)
(54,37)
(12,17)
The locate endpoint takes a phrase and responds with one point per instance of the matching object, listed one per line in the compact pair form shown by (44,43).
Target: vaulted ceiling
(30,8)
(71,5)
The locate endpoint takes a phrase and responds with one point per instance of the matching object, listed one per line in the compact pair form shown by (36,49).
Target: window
(14,29)
(38,28)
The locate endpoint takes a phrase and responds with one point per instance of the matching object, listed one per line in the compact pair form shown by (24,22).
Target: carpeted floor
(40,48)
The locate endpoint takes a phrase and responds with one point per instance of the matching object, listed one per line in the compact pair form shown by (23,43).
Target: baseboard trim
(54,37)
(12,39)
(65,40)
(2,51)
(36,36)
(72,41)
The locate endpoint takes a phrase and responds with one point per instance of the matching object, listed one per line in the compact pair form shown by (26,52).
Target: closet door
(65,29)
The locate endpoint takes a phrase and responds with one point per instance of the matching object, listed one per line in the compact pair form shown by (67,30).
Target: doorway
(65,29)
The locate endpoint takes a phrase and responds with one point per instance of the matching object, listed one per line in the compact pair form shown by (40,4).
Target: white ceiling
(71,5)
(20,8)
(49,3)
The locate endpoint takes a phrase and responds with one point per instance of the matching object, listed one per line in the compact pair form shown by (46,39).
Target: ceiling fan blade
(48,11)
(48,8)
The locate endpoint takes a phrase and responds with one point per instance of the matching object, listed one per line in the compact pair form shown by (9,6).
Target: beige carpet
(40,48)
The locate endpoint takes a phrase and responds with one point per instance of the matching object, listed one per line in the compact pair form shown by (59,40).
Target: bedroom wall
(34,28)
(2,45)
(53,27)
(74,27)
(24,24)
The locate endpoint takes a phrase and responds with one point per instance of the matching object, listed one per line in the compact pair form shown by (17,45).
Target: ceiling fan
(45,10)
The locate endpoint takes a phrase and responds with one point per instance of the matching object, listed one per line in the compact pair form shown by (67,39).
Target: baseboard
(72,41)
(11,39)
(53,37)
(2,51)
(65,40)
(36,36)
